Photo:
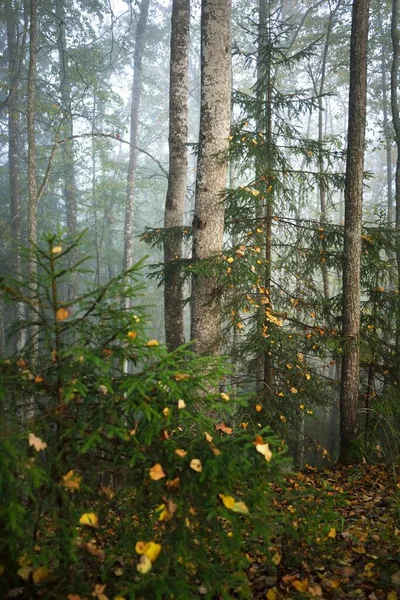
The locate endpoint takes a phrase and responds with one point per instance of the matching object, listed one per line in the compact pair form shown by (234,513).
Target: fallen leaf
(265,451)
(90,519)
(144,565)
(62,314)
(196,465)
(332,533)
(181,376)
(224,428)
(152,343)
(300,585)
(181,453)
(181,404)
(36,442)
(156,472)
(72,481)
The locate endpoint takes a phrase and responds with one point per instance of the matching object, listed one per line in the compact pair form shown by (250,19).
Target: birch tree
(177,179)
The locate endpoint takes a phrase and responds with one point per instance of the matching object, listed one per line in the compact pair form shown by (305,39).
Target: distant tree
(394,100)
(67,148)
(134,123)
(178,164)
(14,54)
(212,167)
(352,230)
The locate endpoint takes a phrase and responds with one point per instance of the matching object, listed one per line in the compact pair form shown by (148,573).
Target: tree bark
(212,166)
(13,159)
(178,165)
(394,101)
(32,178)
(67,148)
(133,153)
(352,231)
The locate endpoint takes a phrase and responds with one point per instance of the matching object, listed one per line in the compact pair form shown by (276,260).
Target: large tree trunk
(32,180)
(178,164)
(394,100)
(212,166)
(67,149)
(352,231)
(133,153)
(13,159)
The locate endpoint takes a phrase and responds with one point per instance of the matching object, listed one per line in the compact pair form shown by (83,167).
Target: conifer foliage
(116,483)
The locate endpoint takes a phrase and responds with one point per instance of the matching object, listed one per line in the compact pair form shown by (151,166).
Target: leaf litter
(335,535)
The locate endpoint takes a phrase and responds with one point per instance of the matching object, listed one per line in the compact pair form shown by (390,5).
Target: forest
(199,299)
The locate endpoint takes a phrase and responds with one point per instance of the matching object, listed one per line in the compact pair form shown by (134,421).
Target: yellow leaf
(98,592)
(271,594)
(300,357)
(181,404)
(72,481)
(276,559)
(224,396)
(151,343)
(90,519)
(265,451)
(156,472)
(181,376)
(293,390)
(131,335)
(230,260)
(258,407)
(255,192)
(208,437)
(103,389)
(24,572)
(300,585)
(332,533)
(227,501)
(196,465)
(180,453)
(359,549)
(230,503)
(166,411)
(56,249)
(36,442)
(119,598)
(392,595)
(40,575)
(308,376)
(149,549)
(270,317)
(62,314)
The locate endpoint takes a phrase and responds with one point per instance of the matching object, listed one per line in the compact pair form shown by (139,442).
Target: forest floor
(336,534)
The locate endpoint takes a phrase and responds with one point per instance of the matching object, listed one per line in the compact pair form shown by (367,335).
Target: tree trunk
(178,165)
(212,166)
(32,181)
(135,102)
(67,149)
(13,160)
(394,100)
(352,231)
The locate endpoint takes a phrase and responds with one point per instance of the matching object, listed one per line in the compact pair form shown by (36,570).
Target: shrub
(115,481)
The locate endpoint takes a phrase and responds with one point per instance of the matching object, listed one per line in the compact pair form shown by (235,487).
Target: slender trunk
(13,161)
(32,180)
(67,149)
(136,89)
(352,230)
(394,100)
(387,127)
(178,165)
(212,165)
